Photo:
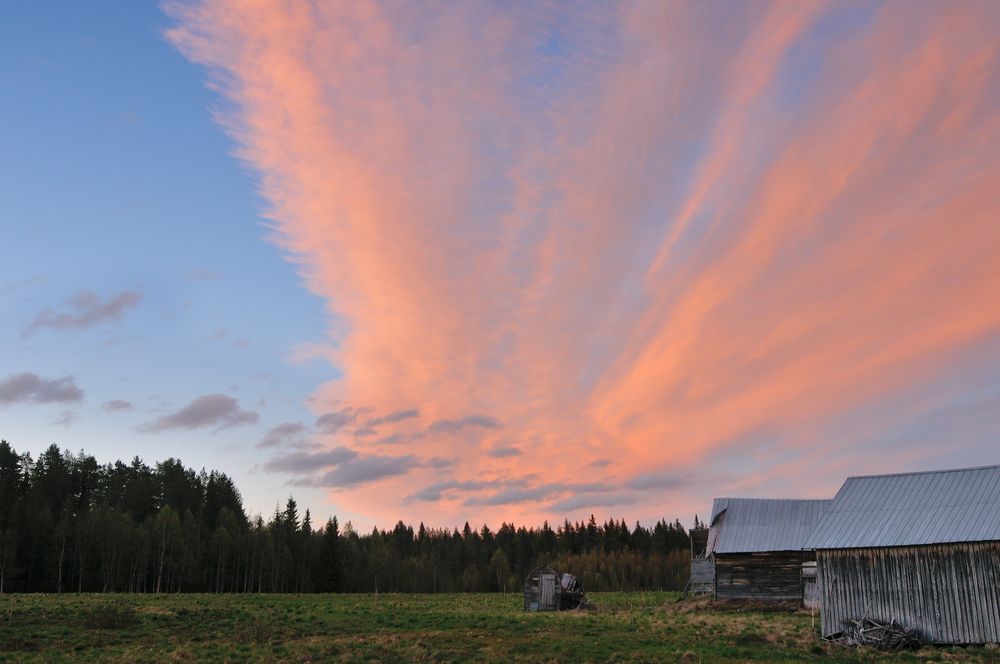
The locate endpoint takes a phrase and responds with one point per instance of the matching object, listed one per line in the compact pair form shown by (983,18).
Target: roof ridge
(924,472)
(776,500)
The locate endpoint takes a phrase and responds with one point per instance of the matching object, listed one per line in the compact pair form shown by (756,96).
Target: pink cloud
(614,240)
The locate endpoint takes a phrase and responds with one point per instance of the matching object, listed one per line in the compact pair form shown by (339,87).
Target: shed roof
(907,509)
(762,524)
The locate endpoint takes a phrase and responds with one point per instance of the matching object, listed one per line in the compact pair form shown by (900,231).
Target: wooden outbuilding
(757,548)
(922,549)
(542,590)
(547,590)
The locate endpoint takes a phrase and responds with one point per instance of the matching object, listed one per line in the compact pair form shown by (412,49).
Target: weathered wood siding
(776,575)
(810,587)
(949,592)
(702,576)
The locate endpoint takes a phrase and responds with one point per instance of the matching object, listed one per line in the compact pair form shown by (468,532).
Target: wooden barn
(920,548)
(756,546)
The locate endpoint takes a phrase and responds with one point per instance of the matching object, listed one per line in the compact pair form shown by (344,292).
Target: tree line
(69,524)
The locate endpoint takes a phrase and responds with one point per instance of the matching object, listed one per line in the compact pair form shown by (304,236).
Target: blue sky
(114,178)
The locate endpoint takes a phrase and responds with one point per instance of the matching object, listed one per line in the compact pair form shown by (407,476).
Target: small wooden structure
(922,549)
(702,580)
(756,548)
(542,590)
(547,590)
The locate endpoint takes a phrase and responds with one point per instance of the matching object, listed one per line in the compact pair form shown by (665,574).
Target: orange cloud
(588,254)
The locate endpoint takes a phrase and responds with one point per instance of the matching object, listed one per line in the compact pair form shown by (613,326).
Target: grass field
(627,627)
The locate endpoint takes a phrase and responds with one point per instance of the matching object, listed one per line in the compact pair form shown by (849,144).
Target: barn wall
(948,592)
(776,575)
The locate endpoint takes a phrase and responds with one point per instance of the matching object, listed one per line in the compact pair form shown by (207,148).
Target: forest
(70,524)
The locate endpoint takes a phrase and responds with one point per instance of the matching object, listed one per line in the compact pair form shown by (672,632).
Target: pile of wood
(875,634)
(572,596)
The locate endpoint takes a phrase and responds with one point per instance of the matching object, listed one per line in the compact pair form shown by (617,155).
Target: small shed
(920,548)
(757,547)
(542,590)
(547,590)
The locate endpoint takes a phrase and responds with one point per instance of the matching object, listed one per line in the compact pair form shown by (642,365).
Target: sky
(487,262)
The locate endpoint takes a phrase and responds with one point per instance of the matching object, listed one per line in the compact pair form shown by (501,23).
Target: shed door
(548,590)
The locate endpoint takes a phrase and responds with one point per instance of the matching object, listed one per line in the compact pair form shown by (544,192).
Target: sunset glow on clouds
(554,260)
(619,256)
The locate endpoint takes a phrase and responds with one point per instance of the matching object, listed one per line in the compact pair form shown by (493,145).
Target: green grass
(627,627)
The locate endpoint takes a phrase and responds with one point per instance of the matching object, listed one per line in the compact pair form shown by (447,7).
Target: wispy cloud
(117,405)
(625,235)
(66,418)
(203,275)
(87,309)
(393,417)
(211,410)
(14,286)
(361,470)
(303,462)
(503,451)
(336,420)
(478,421)
(434,491)
(30,387)
(286,434)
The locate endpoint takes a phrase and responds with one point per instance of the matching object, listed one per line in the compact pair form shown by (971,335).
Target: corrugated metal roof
(762,524)
(909,509)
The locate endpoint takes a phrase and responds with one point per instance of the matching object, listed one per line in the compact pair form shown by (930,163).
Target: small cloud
(221,333)
(15,286)
(362,470)
(241,343)
(503,451)
(657,480)
(438,462)
(308,462)
(518,492)
(395,416)
(593,500)
(30,387)
(287,434)
(433,492)
(365,431)
(599,463)
(117,405)
(400,437)
(512,495)
(88,309)
(450,426)
(307,351)
(66,418)
(335,421)
(215,410)
(203,275)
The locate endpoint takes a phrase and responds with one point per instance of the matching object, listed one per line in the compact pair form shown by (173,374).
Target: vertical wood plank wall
(950,593)
(702,576)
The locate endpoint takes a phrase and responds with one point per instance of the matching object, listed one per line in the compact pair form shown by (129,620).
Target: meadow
(626,627)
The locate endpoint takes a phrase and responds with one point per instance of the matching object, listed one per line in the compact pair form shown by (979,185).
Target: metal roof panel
(961,505)
(762,524)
